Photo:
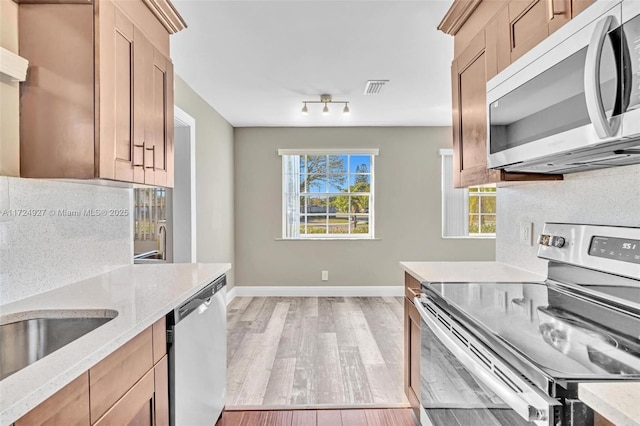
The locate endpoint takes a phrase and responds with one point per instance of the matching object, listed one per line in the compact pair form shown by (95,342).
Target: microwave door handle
(530,403)
(593,95)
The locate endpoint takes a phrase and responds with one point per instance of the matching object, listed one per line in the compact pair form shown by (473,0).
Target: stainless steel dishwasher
(197,339)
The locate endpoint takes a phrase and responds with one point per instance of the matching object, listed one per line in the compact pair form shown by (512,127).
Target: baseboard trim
(231,294)
(316,291)
(376,405)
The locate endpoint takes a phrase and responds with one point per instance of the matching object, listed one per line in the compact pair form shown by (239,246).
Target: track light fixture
(325,99)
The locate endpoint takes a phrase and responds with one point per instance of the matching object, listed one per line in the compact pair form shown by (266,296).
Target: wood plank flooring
(288,351)
(355,417)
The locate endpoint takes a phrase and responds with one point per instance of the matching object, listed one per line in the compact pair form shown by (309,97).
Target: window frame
(480,214)
(459,213)
(370,235)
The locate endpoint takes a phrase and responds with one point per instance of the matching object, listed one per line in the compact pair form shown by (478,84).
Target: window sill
(471,237)
(327,239)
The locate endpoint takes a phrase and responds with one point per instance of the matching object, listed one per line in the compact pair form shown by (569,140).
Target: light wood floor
(315,351)
(368,417)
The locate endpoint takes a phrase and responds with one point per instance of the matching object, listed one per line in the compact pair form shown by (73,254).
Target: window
(149,212)
(468,212)
(327,194)
(482,210)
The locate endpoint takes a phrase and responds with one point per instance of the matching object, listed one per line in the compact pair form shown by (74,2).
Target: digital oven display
(616,248)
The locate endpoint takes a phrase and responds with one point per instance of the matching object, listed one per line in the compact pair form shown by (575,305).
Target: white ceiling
(256,61)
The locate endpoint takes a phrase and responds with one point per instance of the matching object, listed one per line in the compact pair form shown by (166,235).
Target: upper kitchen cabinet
(468,85)
(98,100)
(530,22)
(481,51)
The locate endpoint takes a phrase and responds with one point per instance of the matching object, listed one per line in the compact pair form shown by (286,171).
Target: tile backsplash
(602,197)
(54,233)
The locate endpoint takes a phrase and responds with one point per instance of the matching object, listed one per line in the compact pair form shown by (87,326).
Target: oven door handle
(527,400)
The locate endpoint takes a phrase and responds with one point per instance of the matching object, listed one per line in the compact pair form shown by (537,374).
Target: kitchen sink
(25,341)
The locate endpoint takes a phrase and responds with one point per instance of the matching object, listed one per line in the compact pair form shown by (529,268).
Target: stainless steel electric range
(514,353)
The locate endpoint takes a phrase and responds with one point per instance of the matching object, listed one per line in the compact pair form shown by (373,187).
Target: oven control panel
(623,249)
(611,249)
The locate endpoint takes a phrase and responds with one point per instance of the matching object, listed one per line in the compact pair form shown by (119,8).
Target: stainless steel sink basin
(25,341)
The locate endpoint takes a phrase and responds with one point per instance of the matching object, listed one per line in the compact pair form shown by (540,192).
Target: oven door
(463,382)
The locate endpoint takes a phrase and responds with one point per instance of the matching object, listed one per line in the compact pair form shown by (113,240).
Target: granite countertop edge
(141,294)
(478,271)
(617,402)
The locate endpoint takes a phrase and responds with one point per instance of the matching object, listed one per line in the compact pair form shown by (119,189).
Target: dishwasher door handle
(192,305)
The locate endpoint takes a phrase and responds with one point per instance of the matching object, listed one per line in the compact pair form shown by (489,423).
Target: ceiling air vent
(374,87)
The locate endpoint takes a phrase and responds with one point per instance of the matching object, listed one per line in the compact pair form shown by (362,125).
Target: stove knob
(543,239)
(557,242)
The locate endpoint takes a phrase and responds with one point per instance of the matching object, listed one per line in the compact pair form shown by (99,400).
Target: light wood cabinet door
(69,406)
(159,118)
(112,377)
(57,99)
(121,130)
(530,22)
(161,392)
(468,77)
(412,355)
(136,407)
(98,102)
(497,53)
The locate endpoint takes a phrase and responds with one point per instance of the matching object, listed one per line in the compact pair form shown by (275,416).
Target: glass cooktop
(567,336)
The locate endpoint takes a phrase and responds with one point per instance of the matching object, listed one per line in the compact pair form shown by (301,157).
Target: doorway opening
(183,195)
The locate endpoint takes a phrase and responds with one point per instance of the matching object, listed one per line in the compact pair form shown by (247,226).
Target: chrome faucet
(162,241)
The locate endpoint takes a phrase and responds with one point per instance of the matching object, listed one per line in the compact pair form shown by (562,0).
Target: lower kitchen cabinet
(69,406)
(412,345)
(146,403)
(129,387)
(135,407)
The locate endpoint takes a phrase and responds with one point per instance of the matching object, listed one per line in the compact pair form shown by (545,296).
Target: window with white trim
(466,212)
(328,193)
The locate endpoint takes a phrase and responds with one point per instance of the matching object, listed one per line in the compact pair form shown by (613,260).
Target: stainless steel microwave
(573,102)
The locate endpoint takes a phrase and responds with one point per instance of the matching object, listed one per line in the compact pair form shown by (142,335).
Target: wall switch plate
(325,275)
(526,233)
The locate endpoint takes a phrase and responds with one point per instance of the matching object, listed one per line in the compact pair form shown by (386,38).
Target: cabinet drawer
(411,286)
(69,406)
(110,379)
(135,407)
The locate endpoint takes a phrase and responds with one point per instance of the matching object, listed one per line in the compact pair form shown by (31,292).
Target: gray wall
(214,178)
(603,197)
(407,209)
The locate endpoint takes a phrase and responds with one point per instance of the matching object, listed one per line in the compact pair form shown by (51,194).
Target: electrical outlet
(526,233)
(325,275)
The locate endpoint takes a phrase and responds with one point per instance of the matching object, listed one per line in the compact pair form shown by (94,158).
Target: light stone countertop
(468,272)
(617,402)
(141,294)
